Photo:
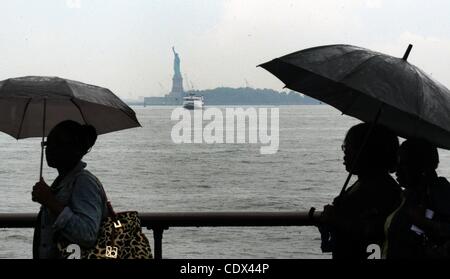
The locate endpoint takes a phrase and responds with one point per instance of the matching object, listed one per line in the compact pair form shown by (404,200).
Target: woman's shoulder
(383,190)
(380,183)
(86,179)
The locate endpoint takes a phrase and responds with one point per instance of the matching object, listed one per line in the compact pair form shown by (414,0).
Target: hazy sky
(125,45)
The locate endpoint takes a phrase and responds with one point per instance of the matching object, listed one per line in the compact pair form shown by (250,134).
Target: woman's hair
(380,149)
(83,136)
(421,155)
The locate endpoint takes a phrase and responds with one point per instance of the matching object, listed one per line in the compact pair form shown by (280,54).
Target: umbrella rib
(23,117)
(345,54)
(419,85)
(344,111)
(79,109)
(329,59)
(131,116)
(358,67)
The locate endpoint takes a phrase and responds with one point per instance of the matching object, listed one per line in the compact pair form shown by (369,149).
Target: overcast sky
(125,45)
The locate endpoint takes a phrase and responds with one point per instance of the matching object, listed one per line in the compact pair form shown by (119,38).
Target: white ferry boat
(193,102)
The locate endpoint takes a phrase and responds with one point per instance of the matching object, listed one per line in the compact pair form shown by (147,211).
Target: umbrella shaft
(43,136)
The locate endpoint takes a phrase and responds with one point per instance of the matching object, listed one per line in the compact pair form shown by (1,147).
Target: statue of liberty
(177,80)
(176,63)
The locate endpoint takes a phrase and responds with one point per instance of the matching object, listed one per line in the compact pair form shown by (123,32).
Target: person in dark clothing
(420,226)
(356,218)
(73,207)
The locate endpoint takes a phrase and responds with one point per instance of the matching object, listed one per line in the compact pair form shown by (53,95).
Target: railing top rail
(190,219)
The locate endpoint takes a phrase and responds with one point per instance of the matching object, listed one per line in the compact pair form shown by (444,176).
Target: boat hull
(193,104)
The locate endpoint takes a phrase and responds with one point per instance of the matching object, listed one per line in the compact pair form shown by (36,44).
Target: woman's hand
(328,216)
(43,194)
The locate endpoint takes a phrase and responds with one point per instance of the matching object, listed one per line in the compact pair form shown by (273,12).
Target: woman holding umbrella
(74,206)
(356,218)
(373,87)
(29,107)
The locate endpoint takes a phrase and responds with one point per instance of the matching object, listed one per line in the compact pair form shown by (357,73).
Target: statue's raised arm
(176,63)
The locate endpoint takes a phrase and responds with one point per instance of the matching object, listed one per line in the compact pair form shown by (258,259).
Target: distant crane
(247,84)
(163,88)
(189,83)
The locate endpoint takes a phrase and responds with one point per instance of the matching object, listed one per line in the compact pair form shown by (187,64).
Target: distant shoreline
(224,96)
(141,104)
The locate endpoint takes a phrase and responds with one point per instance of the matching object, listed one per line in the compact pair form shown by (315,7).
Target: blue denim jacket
(79,222)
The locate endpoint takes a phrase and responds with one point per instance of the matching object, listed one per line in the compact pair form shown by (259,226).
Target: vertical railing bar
(157,238)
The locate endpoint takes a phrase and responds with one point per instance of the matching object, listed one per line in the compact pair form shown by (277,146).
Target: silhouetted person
(75,204)
(410,234)
(356,218)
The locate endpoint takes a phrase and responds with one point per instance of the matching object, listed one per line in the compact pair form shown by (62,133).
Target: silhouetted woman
(356,218)
(420,226)
(74,205)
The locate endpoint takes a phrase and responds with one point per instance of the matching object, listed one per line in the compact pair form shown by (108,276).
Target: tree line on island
(252,96)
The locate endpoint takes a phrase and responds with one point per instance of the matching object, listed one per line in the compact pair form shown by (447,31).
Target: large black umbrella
(31,106)
(371,86)
(359,82)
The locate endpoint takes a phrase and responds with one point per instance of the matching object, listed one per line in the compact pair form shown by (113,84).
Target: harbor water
(143,169)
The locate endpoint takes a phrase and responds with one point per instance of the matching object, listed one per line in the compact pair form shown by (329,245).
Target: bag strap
(111,212)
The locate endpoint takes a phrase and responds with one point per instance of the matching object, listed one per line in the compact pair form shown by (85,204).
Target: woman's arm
(80,221)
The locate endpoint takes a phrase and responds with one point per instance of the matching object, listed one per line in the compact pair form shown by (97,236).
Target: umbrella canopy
(366,84)
(31,106)
(22,106)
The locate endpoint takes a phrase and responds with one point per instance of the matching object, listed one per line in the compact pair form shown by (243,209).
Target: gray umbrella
(31,106)
(368,85)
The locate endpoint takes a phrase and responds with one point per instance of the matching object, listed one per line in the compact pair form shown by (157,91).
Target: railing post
(157,237)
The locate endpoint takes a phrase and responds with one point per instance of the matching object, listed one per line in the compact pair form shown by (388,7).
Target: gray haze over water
(143,170)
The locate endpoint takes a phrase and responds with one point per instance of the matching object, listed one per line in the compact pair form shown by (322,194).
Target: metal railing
(159,222)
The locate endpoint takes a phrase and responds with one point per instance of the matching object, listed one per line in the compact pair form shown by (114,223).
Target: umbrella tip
(408,50)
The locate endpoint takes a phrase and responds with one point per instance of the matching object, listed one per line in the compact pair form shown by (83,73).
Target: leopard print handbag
(120,237)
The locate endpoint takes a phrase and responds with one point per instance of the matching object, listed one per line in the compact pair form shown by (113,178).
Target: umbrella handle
(43,136)
(366,138)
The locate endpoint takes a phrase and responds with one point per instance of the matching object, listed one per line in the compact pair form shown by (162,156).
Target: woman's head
(417,159)
(379,152)
(68,142)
